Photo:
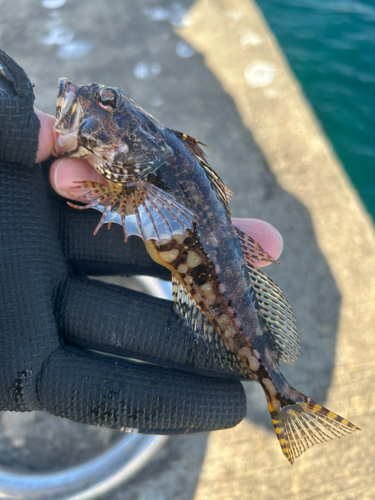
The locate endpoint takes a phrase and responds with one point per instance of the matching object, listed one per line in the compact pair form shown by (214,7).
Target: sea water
(330,45)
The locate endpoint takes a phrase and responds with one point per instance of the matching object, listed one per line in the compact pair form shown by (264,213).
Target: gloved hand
(51,314)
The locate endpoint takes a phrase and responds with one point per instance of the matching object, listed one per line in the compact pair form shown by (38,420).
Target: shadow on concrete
(133,45)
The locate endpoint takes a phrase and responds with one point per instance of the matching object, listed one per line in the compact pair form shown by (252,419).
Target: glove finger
(93,389)
(105,253)
(116,320)
(18,124)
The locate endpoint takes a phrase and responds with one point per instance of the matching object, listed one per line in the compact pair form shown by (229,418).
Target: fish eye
(107,99)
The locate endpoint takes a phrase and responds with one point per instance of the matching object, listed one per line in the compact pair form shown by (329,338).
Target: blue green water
(330,46)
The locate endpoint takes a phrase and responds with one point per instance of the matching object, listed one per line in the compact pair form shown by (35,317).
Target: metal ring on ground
(96,476)
(87,481)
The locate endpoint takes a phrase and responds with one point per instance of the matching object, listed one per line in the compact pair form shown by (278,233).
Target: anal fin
(252,251)
(277,314)
(274,308)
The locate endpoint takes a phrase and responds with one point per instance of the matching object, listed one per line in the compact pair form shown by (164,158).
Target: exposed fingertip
(66,172)
(264,234)
(46,136)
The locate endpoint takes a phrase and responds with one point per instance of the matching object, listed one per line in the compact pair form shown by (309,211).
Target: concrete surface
(212,69)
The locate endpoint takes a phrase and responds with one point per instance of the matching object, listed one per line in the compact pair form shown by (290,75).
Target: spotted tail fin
(306,423)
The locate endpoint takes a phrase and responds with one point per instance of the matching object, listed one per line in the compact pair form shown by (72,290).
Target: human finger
(46,136)
(264,234)
(66,172)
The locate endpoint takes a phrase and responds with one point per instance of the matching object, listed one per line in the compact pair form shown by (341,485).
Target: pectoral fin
(141,208)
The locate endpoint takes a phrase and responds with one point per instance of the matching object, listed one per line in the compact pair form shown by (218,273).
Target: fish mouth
(68,114)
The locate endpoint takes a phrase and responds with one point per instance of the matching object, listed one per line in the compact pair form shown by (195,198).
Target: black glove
(51,313)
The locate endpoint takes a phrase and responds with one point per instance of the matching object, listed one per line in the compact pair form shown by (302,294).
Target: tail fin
(306,423)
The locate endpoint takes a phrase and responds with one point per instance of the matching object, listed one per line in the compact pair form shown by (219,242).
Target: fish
(161,188)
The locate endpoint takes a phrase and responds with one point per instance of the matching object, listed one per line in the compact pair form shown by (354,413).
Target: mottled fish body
(162,189)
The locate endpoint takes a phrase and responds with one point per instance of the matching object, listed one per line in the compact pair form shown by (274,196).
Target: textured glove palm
(51,313)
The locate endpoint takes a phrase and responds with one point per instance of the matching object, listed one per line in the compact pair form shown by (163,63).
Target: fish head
(103,125)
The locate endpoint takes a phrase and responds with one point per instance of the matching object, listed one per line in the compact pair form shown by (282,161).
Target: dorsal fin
(141,208)
(193,146)
(194,323)
(277,313)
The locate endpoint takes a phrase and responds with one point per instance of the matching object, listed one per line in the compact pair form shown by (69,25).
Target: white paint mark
(157,13)
(235,15)
(184,50)
(174,14)
(260,73)
(53,4)
(250,37)
(140,70)
(177,12)
(270,93)
(157,102)
(143,70)
(74,50)
(155,68)
(58,35)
